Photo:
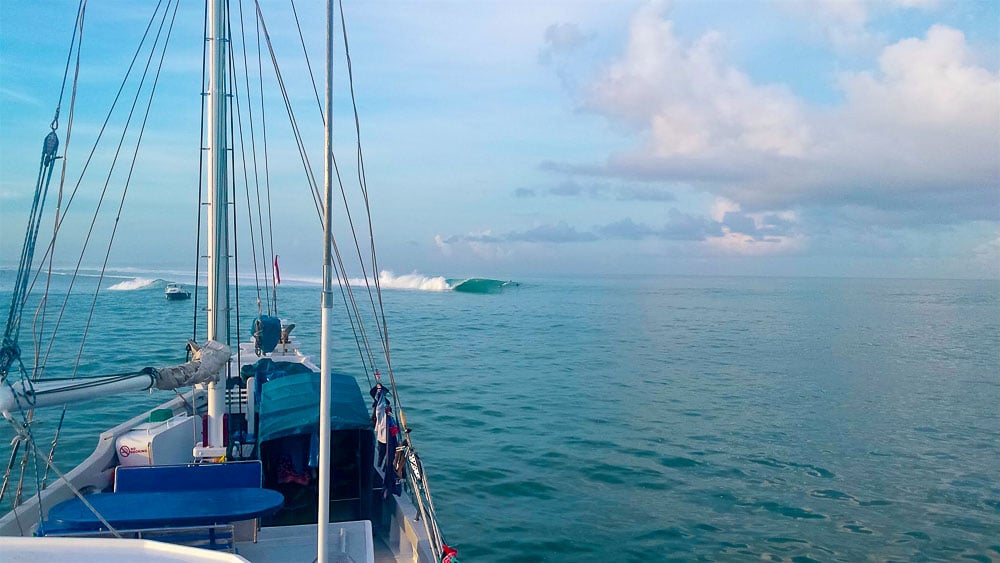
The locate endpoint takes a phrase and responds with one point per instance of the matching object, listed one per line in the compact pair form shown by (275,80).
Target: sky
(517,139)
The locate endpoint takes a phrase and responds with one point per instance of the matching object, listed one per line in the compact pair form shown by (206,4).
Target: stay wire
(256,167)
(135,153)
(121,206)
(51,247)
(236,108)
(267,169)
(42,311)
(305,53)
(24,270)
(307,166)
(384,329)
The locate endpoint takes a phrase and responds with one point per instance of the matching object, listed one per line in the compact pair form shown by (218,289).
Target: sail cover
(290,406)
(206,363)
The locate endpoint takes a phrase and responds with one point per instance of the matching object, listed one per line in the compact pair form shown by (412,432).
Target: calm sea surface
(642,419)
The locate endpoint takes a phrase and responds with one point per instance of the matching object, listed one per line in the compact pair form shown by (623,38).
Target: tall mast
(218,209)
(323,512)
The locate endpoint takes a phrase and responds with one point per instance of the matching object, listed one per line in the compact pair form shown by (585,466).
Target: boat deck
(298,543)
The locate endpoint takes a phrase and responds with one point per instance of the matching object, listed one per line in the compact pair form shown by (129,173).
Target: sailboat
(259,454)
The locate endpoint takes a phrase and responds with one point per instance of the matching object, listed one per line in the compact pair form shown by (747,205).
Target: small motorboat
(175,292)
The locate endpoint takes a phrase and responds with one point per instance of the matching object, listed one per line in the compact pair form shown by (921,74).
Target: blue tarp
(289,406)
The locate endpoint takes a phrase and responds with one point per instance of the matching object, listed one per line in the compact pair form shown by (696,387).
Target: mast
(218,211)
(323,512)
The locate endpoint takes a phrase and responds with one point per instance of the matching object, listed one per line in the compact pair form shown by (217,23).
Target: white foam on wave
(133,284)
(414,281)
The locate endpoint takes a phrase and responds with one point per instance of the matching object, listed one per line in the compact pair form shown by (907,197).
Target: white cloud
(690,100)
(759,234)
(929,82)
(919,137)
(844,24)
(721,206)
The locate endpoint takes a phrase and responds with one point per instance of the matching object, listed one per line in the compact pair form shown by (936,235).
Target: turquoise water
(638,419)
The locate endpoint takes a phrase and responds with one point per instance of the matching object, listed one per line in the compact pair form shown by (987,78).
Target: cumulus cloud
(844,24)
(917,137)
(689,101)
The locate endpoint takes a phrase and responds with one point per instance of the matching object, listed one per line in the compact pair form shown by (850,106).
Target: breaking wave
(413,281)
(418,282)
(386,279)
(480,285)
(136,284)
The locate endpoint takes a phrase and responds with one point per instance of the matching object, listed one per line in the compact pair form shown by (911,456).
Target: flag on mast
(277,274)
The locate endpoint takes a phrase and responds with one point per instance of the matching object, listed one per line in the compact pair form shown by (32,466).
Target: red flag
(277,274)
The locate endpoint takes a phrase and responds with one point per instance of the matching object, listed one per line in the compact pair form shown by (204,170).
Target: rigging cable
(267,170)
(305,53)
(310,178)
(300,143)
(9,349)
(128,180)
(76,188)
(256,167)
(431,522)
(38,329)
(352,309)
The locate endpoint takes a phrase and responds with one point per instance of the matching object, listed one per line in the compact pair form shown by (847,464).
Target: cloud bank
(913,142)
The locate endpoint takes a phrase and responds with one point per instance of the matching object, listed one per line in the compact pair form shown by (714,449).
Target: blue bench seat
(169,496)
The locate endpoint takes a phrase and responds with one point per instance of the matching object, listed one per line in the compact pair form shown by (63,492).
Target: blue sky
(506,139)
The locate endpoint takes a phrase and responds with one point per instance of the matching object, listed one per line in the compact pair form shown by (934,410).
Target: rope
(310,178)
(72,197)
(256,176)
(238,126)
(305,53)
(430,518)
(83,499)
(267,170)
(10,351)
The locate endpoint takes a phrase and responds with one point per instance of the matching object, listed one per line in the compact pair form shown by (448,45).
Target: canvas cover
(206,363)
(289,406)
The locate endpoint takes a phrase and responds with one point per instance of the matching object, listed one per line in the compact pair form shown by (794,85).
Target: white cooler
(158,443)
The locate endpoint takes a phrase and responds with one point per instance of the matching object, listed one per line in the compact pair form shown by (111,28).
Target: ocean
(646,418)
